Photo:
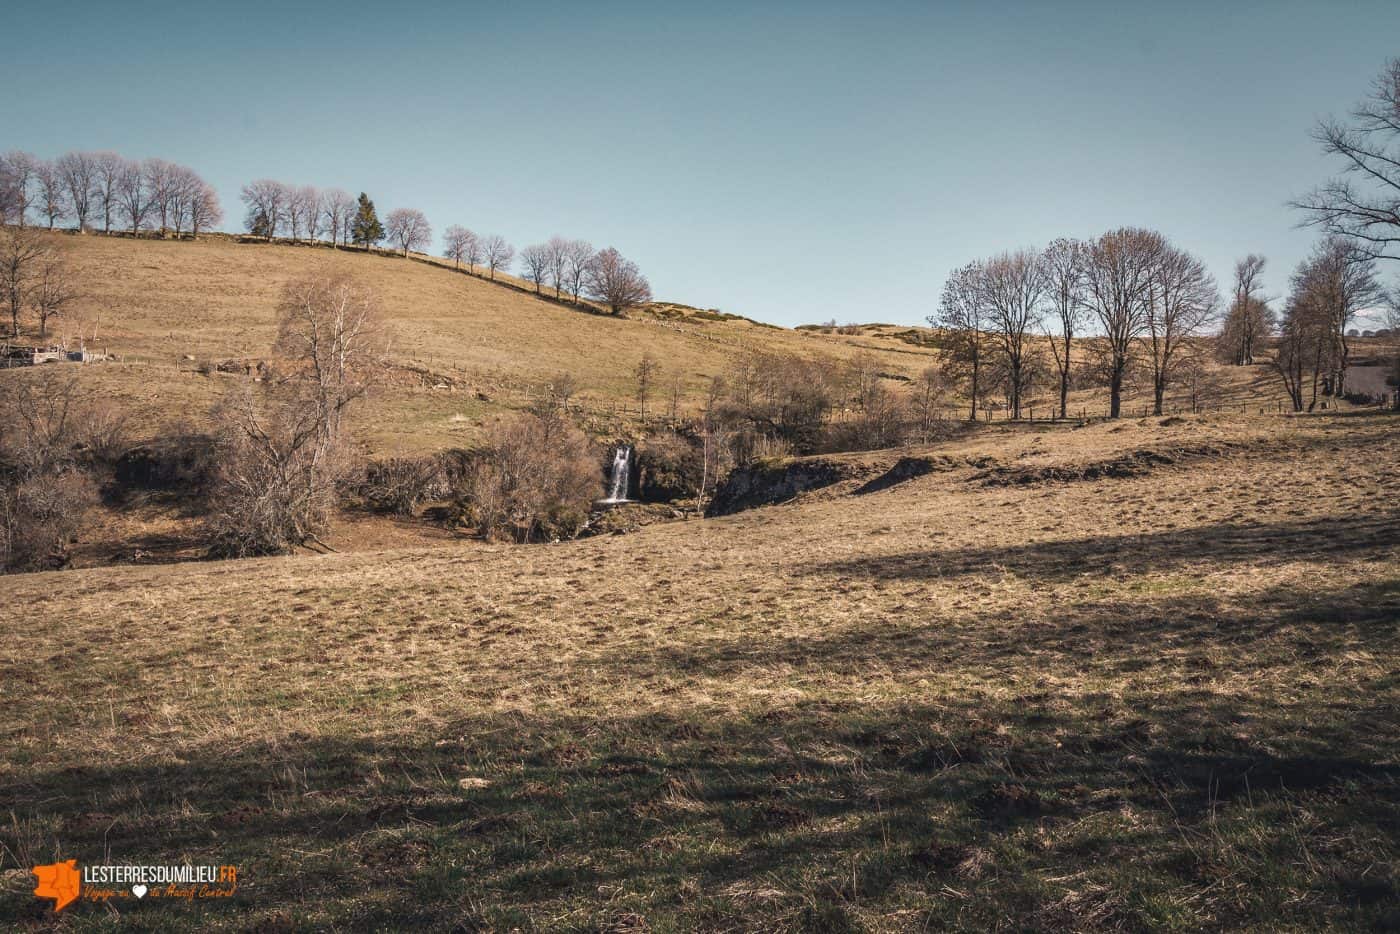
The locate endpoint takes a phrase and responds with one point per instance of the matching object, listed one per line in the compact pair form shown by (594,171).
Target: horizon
(712,158)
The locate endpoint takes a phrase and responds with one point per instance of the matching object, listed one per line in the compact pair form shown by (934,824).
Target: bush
(536,480)
(399,485)
(39,518)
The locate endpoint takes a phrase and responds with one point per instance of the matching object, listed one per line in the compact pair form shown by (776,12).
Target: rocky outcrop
(766,483)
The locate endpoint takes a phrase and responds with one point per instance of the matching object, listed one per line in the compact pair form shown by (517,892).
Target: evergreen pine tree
(367,230)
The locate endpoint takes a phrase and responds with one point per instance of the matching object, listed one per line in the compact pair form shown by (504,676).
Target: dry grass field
(477,349)
(1120,677)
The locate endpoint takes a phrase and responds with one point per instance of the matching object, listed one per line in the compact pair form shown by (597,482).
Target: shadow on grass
(810,815)
(1207,545)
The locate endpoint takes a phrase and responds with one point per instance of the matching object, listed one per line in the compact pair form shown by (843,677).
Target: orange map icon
(59,881)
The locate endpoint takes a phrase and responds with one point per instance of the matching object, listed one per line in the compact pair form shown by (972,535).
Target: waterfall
(621,475)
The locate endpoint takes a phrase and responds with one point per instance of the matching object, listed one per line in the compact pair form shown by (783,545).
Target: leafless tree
(133,196)
(1117,278)
(266,203)
(204,208)
(54,288)
(536,480)
(52,192)
(497,254)
(536,259)
(714,441)
(337,210)
(560,390)
(930,390)
(1339,280)
(1303,338)
(646,374)
(79,173)
(109,170)
(409,229)
(1063,261)
(21,251)
(1014,286)
(17,181)
(557,262)
(456,242)
(617,282)
(1364,205)
(1249,321)
(281,455)
(303,212)
(1182,299)
(160,181)
(962,317)
(578,258)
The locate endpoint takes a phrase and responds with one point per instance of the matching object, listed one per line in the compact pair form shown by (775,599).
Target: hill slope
(156,303)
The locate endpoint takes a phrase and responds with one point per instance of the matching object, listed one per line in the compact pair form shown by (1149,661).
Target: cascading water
(621,478)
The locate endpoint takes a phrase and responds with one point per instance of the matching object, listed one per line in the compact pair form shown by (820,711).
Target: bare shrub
(400,485)
(282,452)
(536,480)
(54,424)
(39,518)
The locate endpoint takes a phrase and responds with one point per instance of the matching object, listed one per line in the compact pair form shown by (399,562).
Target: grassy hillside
(469,350)
(1127,676)
(155,303)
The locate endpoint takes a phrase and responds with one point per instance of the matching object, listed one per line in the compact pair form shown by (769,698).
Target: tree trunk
(1159,389)
(1115,391)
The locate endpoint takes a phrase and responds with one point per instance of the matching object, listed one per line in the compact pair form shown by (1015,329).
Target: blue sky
(790,162)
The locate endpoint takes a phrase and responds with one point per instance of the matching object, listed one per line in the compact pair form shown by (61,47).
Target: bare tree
(280,456)
(557,262)
(204,208)
(536,259)
(1117,277)
(457,242)
(409,229)
(337,210)
(1181,300)
(79,173)
(578,258)
(536,480)
(133,196)
(930,389)
(109,169)
(1063,261)
(1014,285)
(266,203)
(617,282)
(646,375)
(1340,280)
(1249,322)
(303,212)
(159,179)
(17,180)
(52,192)
(1364,206)
(962,317)
(21,251)
(560,390)
(497,254)
(53,290)
(1304,338)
